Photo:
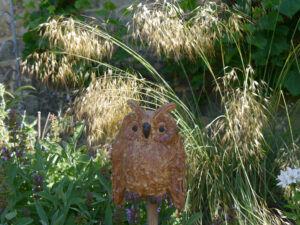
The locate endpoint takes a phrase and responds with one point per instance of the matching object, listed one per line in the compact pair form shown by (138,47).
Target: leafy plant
(273,34)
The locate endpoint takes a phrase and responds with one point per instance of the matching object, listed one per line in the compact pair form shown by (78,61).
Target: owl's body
(148,156)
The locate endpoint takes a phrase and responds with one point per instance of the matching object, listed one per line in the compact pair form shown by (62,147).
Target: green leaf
(269,21)
(49,197)
(270,3)
(109,5)
(84,158)
(279,45)
(23,221)
(70,189)
(102,12)
(104,182)
(290,215)
(51,9)
(52,147)
(41,212)
(193,219)
(77,201)
(292,83)
(79,4)
(11,215)
(25,87)
(78,131)
(289,7)
(259,40)
(29,4)
(108,215)
(9,94)
(296,193)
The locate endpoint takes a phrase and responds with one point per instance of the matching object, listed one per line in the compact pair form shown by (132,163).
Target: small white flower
(283,178)
(289,176)
(292,175)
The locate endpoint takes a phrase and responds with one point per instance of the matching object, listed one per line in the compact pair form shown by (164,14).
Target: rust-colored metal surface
(148,157)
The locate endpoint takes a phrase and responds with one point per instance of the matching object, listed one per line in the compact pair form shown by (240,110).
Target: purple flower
(227,217)
(128,212)
(68,97)
(158,209)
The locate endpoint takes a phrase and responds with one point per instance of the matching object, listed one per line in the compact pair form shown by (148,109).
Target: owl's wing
(117,176)
(177,188)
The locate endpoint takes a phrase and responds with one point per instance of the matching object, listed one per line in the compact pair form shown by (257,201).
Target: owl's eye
(161,129)
(135,128)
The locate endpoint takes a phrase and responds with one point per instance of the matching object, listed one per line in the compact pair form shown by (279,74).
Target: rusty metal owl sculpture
(148,157)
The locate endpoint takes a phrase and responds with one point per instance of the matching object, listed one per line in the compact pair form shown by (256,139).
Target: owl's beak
(146,129)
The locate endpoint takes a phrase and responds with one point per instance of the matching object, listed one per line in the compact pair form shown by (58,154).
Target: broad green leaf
(259,40)
(108,215)
(84,158)
(292,83)
(279,45)
(41,212)
(52,147)
(289,7)
(11,215)
(23,221)
(109,5)
(269,21)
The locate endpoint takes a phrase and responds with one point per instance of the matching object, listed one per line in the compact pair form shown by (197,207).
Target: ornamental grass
(230,162)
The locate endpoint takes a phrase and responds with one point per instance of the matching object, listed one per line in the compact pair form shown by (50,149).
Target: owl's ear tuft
(135,107)
(167,108)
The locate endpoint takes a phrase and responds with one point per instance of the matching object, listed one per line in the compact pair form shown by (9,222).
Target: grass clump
(103,104)
(166,28)
(67,70)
